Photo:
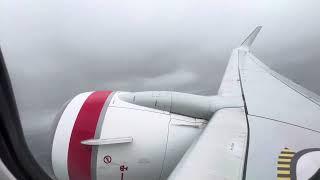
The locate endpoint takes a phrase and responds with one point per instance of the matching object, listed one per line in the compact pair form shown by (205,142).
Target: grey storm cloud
(57,49)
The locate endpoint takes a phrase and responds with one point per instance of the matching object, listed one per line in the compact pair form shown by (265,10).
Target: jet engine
(99,135)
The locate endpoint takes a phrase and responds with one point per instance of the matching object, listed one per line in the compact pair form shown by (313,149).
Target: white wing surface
(281,115)
(220,151)
(280,121)
(268,95)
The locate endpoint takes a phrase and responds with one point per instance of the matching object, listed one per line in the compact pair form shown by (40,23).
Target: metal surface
(62,136)
(219,153)
(281,114)
(189,105)
(267,139)
(267,96)
(183,131)
(230,84)
(129,141)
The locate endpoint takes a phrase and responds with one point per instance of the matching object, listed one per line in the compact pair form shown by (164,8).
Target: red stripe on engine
(79,155)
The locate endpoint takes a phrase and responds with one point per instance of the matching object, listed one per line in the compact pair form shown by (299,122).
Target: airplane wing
(275,135)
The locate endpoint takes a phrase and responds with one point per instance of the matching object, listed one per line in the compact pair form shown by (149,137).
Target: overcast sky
(57,49)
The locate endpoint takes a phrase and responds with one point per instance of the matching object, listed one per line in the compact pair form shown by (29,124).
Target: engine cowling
(100,136)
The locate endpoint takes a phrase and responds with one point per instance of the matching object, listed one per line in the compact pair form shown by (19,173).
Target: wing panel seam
(279,121)
(248,127)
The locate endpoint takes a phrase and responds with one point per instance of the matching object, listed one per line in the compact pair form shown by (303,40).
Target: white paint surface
(62,136)
(144,156)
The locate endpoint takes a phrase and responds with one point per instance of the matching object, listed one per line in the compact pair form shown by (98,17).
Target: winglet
(249,40)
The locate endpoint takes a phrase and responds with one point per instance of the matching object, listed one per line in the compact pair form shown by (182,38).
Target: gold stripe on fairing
(287,155)
(284,160)
(283,171)
(284,178)
(284,164)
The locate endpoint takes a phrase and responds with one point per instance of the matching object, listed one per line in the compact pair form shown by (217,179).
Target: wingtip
(249,40)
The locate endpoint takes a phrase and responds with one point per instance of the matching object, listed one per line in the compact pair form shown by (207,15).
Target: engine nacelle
(99,136)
